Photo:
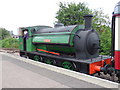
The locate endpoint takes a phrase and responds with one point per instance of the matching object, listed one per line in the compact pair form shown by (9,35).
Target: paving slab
(0,71)
(20,74)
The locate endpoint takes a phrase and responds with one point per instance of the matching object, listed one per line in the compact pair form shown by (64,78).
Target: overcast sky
(22,13)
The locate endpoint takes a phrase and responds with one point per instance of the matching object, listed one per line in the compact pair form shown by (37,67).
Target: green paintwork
(43,34)
(73,32)
(60,48)
(36,58)
(55,38)
(21,43)
(29,45)
(43,47)
(64,39)
(48,61)
(59,37)
(67,65)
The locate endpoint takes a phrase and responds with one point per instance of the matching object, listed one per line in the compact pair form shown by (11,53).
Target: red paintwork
(47,40)
(48,51)
(116,15)
(94,67)
(117,60)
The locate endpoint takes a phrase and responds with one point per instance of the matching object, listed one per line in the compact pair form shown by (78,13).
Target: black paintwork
(86,44)
(113,36)
(81,64)
(88,22)
(60,29)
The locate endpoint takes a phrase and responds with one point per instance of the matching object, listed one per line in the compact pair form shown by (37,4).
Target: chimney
(88,22)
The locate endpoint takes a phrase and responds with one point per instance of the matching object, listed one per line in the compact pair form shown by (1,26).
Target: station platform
(18,72)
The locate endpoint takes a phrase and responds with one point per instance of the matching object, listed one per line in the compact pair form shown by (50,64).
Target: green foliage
(105,41)
(101,23)
(4,33)
(0,43)
(71,14)
(6,41)
(9,43)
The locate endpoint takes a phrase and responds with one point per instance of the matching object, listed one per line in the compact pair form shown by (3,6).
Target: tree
(9,43)
(4,33)
(105,42)
(71,14)
(101,23)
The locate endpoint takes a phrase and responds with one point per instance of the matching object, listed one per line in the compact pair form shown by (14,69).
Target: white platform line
(77,75)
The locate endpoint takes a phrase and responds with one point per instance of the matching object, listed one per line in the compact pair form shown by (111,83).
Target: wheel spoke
(67,65)
(36,58)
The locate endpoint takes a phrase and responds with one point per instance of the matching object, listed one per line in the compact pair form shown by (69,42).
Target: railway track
(109,77)
(9,50)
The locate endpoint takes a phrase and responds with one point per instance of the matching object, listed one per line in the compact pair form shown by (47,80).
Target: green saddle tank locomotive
(74,47)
